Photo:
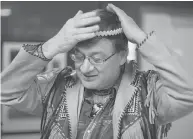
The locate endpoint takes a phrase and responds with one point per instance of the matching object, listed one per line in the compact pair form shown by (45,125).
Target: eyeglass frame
(88,57)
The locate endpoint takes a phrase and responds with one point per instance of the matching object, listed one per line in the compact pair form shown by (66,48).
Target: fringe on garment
(141,129)
(151,89)
(152,78)
(145,127)
(163,131)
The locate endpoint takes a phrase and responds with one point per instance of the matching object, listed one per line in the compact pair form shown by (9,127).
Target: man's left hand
(132,31)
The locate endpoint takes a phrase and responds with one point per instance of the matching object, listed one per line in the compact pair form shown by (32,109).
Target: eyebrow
(92,53)
(99,52)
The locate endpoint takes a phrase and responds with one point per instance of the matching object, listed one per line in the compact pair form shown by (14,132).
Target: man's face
(99,76)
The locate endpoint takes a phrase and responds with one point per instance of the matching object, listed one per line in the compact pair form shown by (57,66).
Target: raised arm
(23,83)
(173,96)
(170,86)
(19,86)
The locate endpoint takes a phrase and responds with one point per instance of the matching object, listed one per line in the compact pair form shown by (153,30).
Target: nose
(86,66)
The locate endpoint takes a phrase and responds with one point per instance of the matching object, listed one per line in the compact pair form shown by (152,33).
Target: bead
(109,32)
(145,39)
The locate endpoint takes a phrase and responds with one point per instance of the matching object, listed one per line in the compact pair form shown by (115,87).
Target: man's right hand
(71,33)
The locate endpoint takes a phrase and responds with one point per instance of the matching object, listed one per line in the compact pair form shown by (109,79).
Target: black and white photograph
(96,70)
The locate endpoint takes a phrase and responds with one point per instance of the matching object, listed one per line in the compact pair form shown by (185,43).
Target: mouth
(88,76)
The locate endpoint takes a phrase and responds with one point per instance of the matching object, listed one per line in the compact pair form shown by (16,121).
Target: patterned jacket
(145,105)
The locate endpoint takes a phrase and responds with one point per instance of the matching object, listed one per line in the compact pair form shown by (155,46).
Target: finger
(116,10)
(109,9)
(79,13)
(88,14)
(91,29)
(86,36)
(88,21)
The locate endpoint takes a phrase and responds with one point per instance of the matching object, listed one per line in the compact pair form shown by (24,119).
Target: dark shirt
(95,121)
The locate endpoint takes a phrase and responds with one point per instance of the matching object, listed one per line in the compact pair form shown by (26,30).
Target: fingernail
(80,11)
(99,18)
(97,27)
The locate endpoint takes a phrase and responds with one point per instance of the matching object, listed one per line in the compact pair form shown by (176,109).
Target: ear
(123,56)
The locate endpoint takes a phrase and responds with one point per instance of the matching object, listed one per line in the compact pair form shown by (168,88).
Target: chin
(90,85)
(93,85)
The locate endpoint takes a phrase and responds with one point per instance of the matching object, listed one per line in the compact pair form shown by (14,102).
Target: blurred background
(34,22)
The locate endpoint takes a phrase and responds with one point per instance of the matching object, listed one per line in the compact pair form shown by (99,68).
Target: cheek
(110,71)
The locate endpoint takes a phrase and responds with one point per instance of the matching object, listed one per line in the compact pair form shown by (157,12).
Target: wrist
(144,39)
(47,49)
(141,36)
(35,50)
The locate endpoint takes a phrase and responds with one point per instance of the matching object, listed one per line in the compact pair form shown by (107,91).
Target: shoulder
(141,76)
(53,74)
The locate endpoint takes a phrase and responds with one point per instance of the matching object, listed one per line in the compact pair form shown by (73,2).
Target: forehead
(103,45)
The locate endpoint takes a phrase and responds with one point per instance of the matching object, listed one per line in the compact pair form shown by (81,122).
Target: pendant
(95,109)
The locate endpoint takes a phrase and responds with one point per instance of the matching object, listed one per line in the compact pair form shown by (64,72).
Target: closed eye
(79,55)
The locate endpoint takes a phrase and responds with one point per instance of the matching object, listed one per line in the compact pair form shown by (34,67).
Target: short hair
(109,21)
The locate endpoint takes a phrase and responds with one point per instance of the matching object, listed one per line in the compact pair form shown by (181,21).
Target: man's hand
(133,33)
(72,32)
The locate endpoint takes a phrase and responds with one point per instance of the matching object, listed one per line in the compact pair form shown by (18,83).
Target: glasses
(79,58)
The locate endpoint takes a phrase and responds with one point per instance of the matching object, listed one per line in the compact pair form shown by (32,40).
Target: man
(106,96)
